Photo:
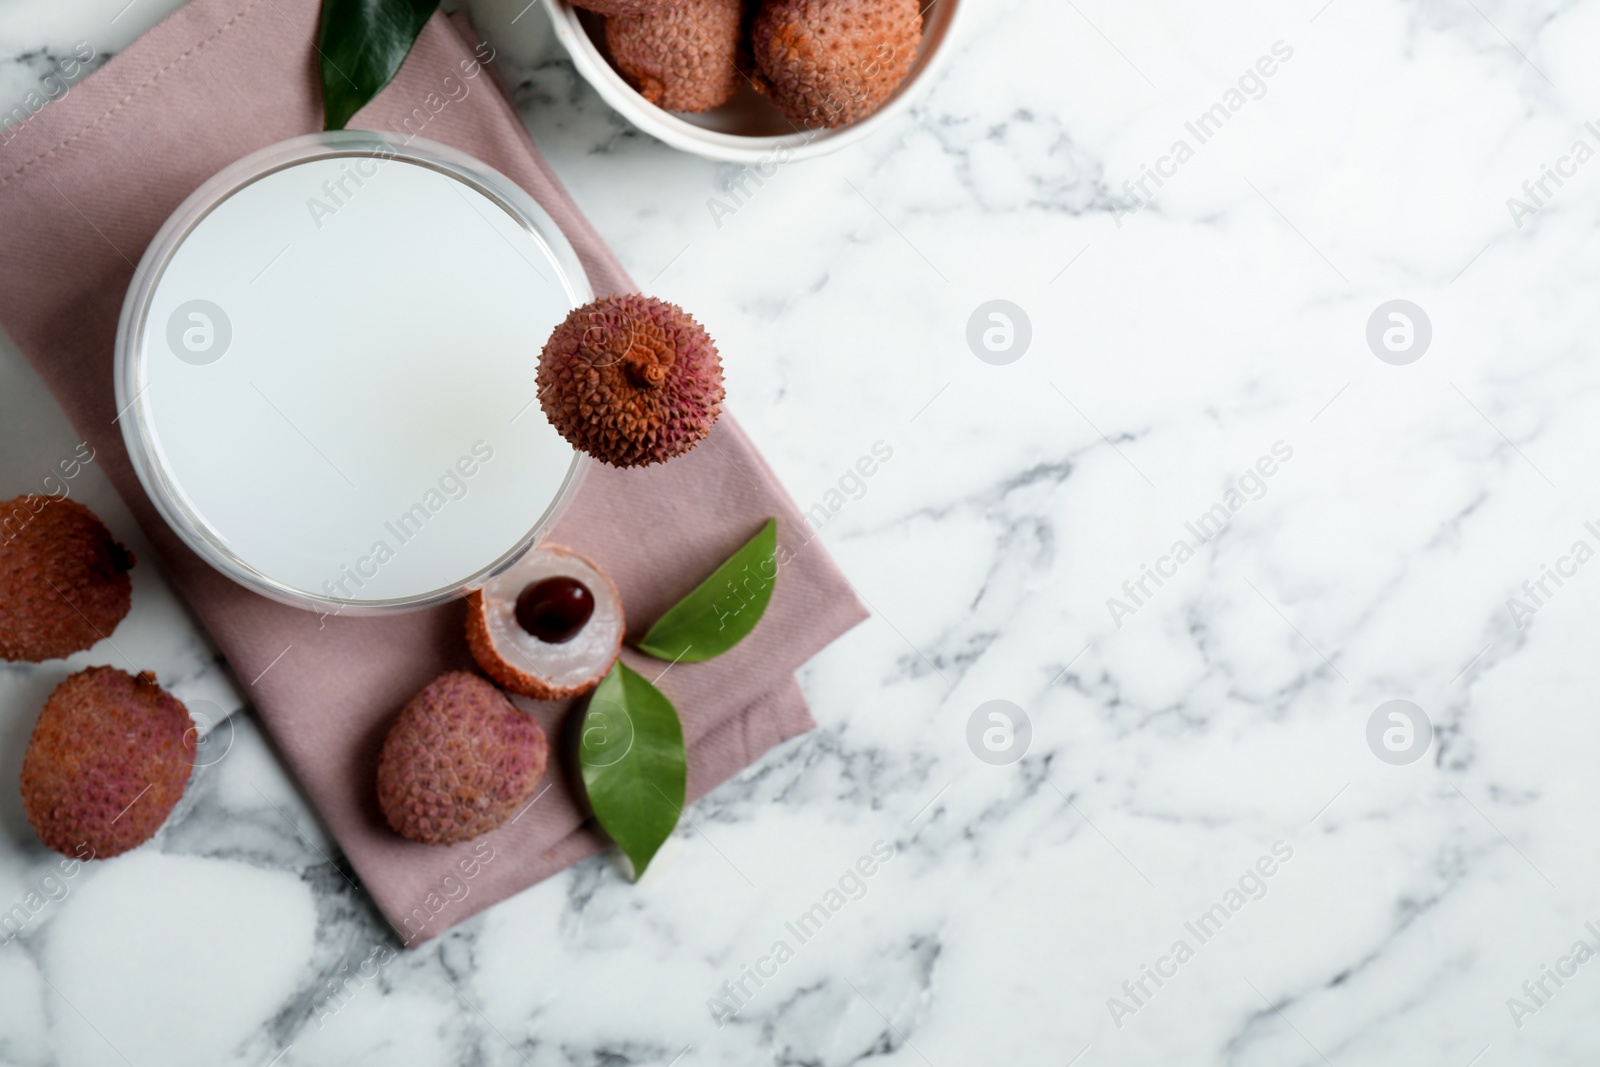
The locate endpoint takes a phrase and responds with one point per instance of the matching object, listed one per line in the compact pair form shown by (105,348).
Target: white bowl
(747,129)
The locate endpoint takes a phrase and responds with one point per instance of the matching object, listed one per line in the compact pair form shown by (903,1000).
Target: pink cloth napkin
(84,185)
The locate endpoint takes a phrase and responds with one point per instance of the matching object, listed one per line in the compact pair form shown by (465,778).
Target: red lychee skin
(626,8)
(458,762)
(631,380)
(684,59)
(828,63)
(63,581)
(110,757)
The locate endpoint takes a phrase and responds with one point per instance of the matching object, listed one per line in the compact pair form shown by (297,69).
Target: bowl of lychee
(757,81)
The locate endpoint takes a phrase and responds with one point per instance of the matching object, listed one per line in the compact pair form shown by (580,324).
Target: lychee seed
(555,610)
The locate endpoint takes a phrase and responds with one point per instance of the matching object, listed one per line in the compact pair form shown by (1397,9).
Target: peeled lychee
(458,762)
(631,380)
(626,7)
(834,62)
(548,628)
(110,757)
(682,59)
(63,580)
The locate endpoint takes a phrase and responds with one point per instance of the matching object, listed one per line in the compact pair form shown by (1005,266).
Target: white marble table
(1187,737)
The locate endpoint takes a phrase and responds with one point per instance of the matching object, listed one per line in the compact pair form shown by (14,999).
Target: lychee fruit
(830,63)
(63,580)
(458,762)
(681,59)
(548,628)
(626,8)
(110,757)
(631,380)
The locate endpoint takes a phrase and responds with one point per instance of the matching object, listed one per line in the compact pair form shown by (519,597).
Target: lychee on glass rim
(326,372)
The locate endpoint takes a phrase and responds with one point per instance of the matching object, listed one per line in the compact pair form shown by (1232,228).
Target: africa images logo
(199,332)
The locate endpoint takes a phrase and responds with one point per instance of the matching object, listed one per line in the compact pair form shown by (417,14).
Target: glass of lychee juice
(326,368)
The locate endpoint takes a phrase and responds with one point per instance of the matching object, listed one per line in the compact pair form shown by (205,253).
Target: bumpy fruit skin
(833,62)
(631,380)
(110,757)
(611,8)
(458,762)
(684,59)
(63,581)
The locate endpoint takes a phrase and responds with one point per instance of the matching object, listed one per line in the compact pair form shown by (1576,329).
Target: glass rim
(133,325)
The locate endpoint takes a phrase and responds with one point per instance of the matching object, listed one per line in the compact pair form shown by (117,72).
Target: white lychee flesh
(523,663)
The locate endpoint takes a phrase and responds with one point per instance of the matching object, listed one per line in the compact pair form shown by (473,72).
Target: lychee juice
(334,381)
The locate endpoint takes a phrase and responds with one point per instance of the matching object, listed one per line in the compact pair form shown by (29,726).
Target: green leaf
(634,767)
(363,43)
(723,609)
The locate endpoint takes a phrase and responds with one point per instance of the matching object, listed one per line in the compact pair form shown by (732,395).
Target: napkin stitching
(135,91)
